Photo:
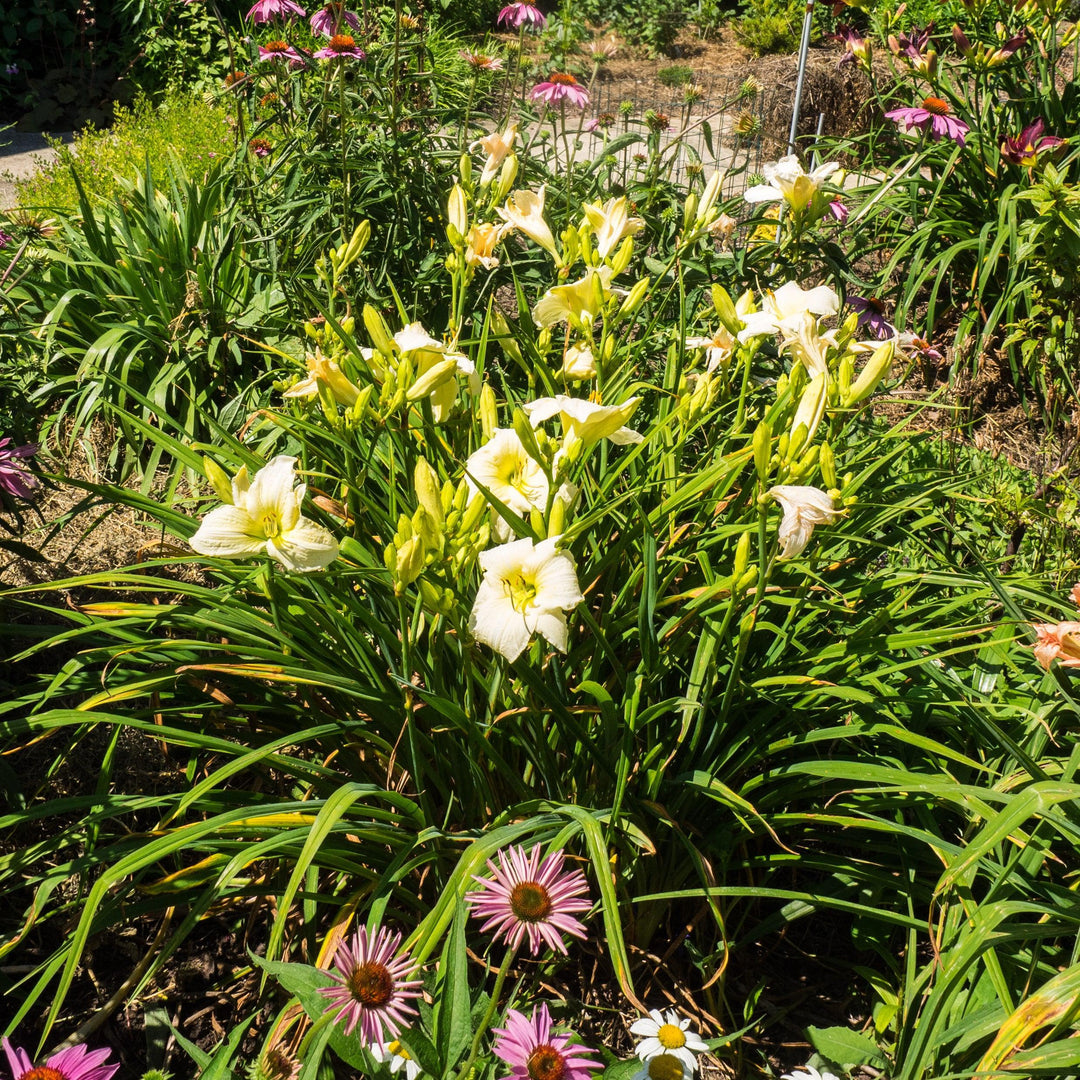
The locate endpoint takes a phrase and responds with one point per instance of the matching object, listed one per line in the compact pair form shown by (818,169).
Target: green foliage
(676,75)
(183,131)
(770,26)
(654,24)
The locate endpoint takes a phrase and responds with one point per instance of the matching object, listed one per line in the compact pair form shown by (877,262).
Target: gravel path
(21,154)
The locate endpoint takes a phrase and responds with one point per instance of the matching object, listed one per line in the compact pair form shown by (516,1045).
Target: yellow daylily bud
(410,564)
(827,460)
(557,519)
(501,329)
(742,555)
(457,216)
(219,480)
(621,259)
(725,309)
(377,331)
(710,195)
(746,581)
(489,412)
(465,168)
(690,208)
(762,450)
(536,520)
(434,377)
(875,370)
(810,411)
(634,299)
(525,433)
(428,493)
(506,178)
(473,512)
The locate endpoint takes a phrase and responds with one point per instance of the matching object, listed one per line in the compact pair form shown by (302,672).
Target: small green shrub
(676,75)
(184,130)
(770,26)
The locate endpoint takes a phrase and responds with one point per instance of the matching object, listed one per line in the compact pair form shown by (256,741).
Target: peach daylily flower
(1057,641)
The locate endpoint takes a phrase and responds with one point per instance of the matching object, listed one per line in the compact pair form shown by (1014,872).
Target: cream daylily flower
(265,517)
(783,309)
(527,587)
(524,210)
(611,221)
(718,348)
(804,507)
(586,420)
(788,181)
(480,245)
(575,303)
(496,145)
(426,353)
(579,362)
(503,467)
(809,345)
(323,372)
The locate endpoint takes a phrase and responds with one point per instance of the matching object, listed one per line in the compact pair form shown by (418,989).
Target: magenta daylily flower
(15,478)
(934,116)
(74,1063)
(521,14)
(913,44)
(327,21)
(857,48)
(265,11)
(982,56)
(1025,148)
(341,47)
(838,209)
(560,87)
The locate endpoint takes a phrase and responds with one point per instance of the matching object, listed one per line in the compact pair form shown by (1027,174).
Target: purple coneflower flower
(74,1063)
(481,61)
(339,47)
(328,20)
(11,69)
(280,50)
(374,986)
(5,239)
(516,15)
(560,87)
(1025,148)
(265,10)
(527,896)
(919,347)
(934,115)
(260,147)
(16,479)
(871,312)
(534,1053)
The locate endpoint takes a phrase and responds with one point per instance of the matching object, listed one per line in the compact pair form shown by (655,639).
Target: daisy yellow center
(522,594)
(396,1048)
(341,42)
(665,1067)
(671,1036)
(42,1072)
(371,985)
(936,106)
(545,1063)
(560,78)
(530,901)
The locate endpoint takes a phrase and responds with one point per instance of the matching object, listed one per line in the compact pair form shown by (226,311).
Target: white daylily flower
(323,372)
(575,303)
(804,507)
(586,420)
(265,517)
(496,145)
(667,1033)
(788,181)
(527,587)
(503,466)
(808,1072)
(426,352)
(398,1057)
(611,221)
(524,210)
(718,348)
(579,362)
(783,309)
(809,345)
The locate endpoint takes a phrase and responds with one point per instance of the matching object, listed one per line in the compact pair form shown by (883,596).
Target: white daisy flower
(398,1057)
(807,1072)
(666,1033)
(663,1067)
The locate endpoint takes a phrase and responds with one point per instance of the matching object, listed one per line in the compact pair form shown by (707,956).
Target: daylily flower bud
(827,461)
(219,480)
(621,259)
(525,433)
(557,518)
(465,168)
(709,197)
(762,450)
(434,377)
(426,482)
(507,177)
(874,371)
(634,299)
(689,212)
(725,309)
(377,331)
(489,413)
(457,214)
(503,333)
(742,555)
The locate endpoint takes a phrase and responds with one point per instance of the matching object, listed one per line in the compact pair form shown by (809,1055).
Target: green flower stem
(493,1004)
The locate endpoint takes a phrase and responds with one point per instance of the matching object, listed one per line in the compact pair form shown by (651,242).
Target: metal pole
(804,49)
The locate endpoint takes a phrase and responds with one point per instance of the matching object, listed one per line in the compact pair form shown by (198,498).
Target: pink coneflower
(279,50)
(374,986)
(933,115)
(74,1063)
(534,1053)
(265,11)
(871,312)
(920,348)
(259,147)
(560,87)
(328,20)
(15,478)
(527,896)
(1025,148)
(5,239)
(481,61)
(516,15)
(339,47)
